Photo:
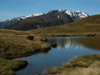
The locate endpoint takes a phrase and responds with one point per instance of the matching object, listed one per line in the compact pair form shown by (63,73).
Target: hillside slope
(95,19)
(88,25)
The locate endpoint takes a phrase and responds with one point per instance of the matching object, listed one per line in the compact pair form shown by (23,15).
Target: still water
(67,48)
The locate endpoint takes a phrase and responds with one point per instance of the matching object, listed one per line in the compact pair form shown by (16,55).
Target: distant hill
(52,18)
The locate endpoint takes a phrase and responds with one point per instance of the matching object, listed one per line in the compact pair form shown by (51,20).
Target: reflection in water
(93,43)
(64,49)
(67,43)
(77,43)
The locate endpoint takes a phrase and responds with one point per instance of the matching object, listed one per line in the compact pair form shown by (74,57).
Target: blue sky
(16,8)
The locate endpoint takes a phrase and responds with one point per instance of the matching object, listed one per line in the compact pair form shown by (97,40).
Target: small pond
(67,48)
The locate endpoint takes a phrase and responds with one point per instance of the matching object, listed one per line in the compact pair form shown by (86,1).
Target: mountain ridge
(52,18)
(60,16)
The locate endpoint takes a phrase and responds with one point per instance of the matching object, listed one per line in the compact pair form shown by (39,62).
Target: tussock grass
(8,67)
(83,71)
(96,64)
(17,45)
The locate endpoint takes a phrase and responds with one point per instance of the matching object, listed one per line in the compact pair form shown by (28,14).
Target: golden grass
(17,45)
(7,31)
(94,69)
(83,71)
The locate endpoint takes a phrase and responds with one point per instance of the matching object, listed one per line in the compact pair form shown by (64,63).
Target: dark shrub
(30,37)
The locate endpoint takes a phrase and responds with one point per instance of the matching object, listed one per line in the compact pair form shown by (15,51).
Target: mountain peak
(79,14)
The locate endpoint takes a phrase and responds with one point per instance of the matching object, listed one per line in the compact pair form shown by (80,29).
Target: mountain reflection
(65,43)
(77,43)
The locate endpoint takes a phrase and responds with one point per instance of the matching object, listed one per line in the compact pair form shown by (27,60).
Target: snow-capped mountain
(80,14)
(52,18)
(6,23)
(74,14)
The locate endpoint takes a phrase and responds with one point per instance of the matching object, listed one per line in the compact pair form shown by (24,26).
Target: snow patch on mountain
(80,14)
(32,15)
(58,16)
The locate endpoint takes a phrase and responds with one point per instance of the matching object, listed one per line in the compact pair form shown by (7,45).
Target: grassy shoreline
(83,65)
